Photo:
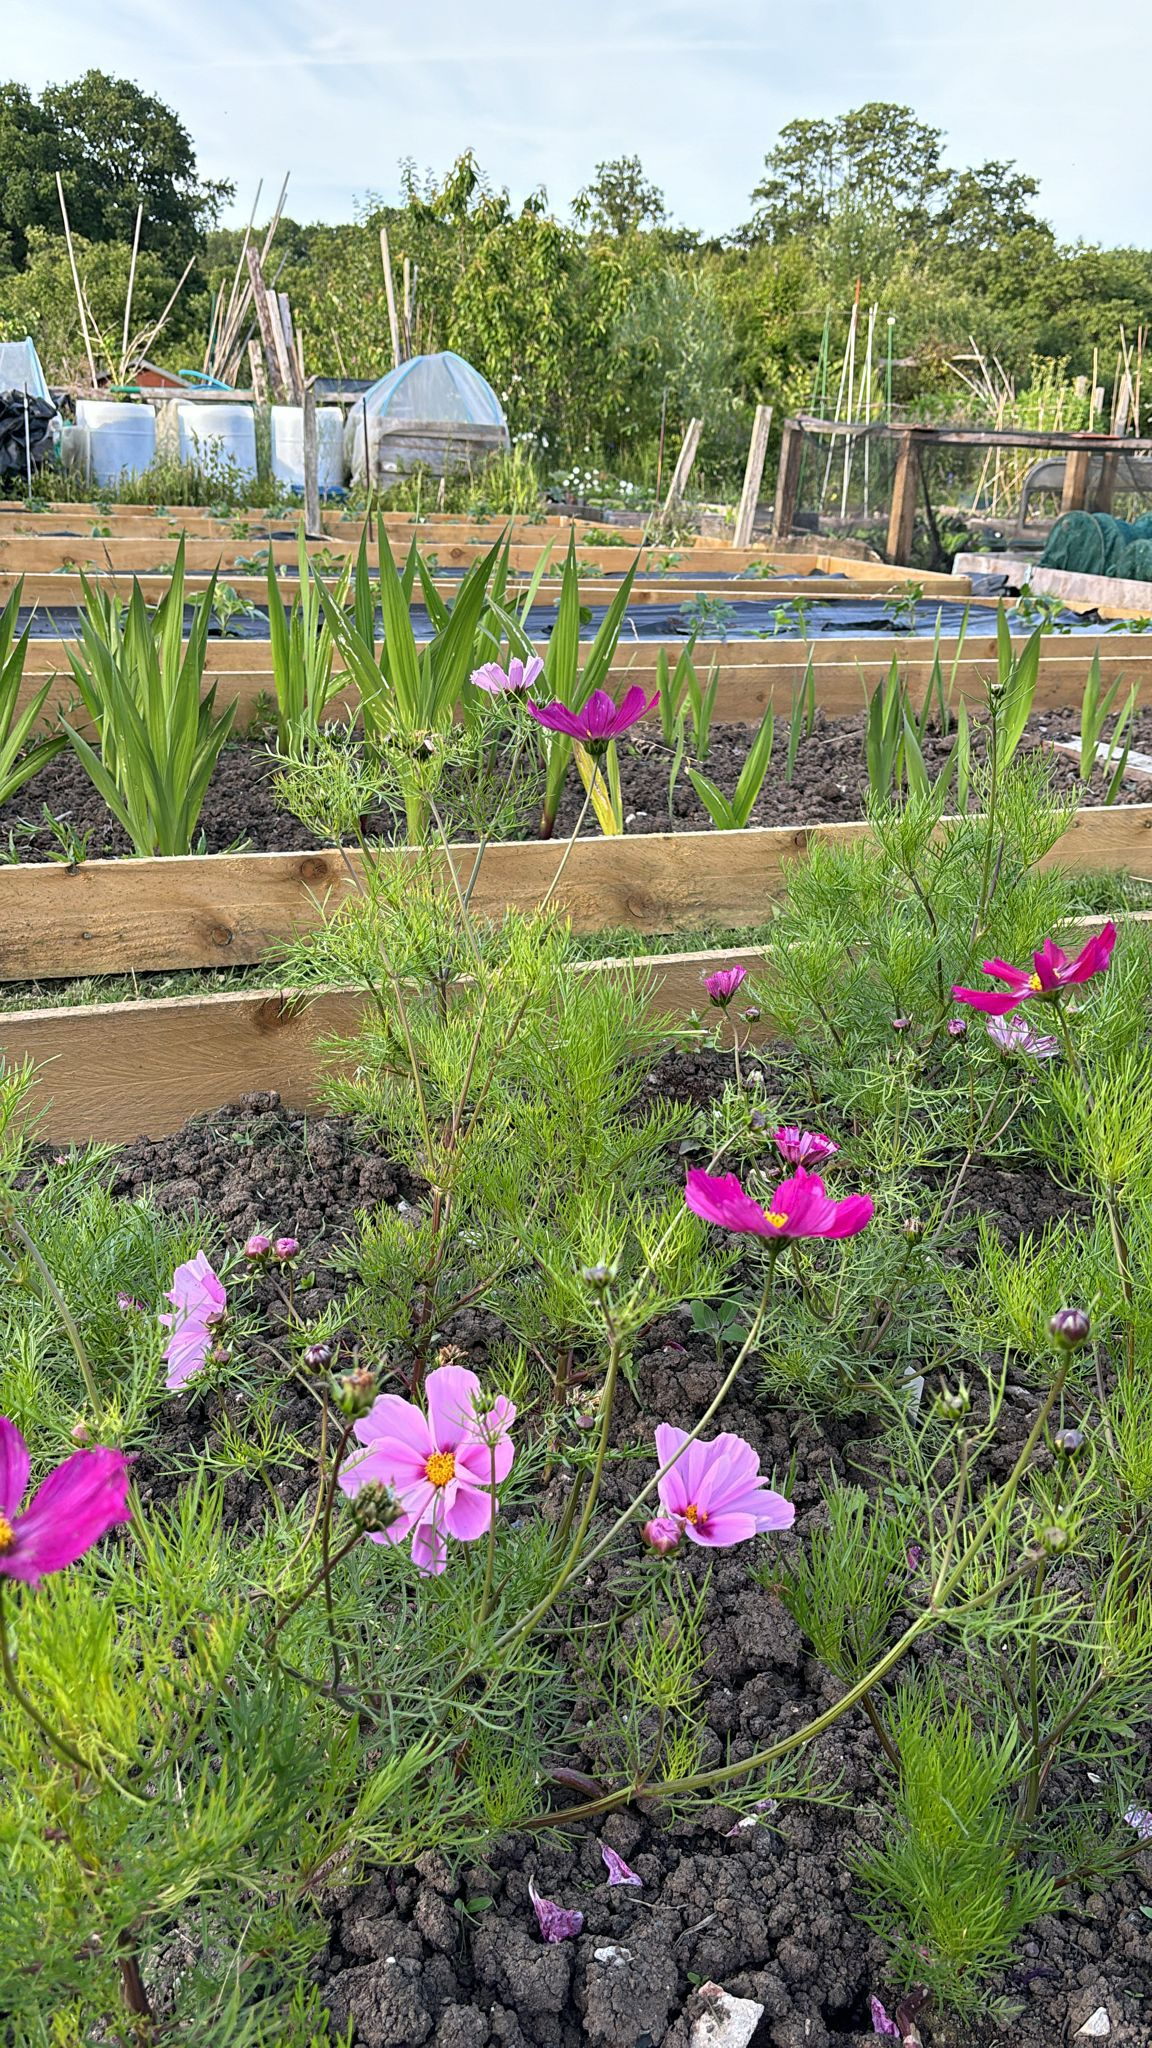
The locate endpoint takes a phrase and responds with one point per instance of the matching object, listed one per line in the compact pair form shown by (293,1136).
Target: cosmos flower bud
(901,1023)
(954,1405)
(318,1357)
(661,1534)
(957,1026)
(1068,1441)
(913,1227)
(598,1277)
(1070,1327)
(258,1247)
(1054,1540)
(374,1507)
(220,1354)
(355,1392)
(81,1434)
(285,1249)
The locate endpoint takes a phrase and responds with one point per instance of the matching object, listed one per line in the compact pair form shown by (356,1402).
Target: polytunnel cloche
(433,412)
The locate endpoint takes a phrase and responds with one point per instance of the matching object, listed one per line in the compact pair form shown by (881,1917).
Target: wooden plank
(312,526)
(753,472)
(787,480)
(684,462)
(905,485)
(270,333)
(221,910)
(1077,468)
(981,437)
(1088,592)
(62,589)
(111,1072)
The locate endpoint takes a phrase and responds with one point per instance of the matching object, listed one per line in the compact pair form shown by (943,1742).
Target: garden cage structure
(917,493)
(432,412)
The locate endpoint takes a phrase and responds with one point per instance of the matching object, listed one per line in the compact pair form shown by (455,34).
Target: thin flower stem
(880,1732)
(281,1620)
(61,1306)
(1031,1793)
(575,833)
(490,1561)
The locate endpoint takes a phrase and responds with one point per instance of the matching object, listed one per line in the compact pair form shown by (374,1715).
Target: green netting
(1096,544)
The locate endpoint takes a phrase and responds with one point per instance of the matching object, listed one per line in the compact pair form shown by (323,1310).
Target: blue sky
(542,92)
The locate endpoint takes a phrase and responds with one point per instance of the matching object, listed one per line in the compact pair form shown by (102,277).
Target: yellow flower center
(441,1467)
(1034,982)
(7,1534)
(697,1516)
(777,1218)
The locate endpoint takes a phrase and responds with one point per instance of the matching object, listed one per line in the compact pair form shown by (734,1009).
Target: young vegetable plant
(731,814)
(1096,709)
(21,756)
(303,656)
(158,736)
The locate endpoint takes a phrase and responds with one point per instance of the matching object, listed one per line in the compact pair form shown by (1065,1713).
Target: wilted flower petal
(557,1923)
(618,1870)
(1140,1818)
(881,2024)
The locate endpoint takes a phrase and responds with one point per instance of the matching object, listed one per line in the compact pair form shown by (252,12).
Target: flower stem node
(953,1404)
(355,1392)
(374,1508)
(1070,1327)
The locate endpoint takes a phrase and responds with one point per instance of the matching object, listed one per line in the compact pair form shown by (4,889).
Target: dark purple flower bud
(318,1357)
(285,1249)
(759,1120)
(901,1023)
(661,1534)
(556,1923)
(355,1392)
(1068,1442)
(913,1556)
(220,1354)
(374,1507)
(1071,1327)
(258,1247)
(618,1870)
(751,1016)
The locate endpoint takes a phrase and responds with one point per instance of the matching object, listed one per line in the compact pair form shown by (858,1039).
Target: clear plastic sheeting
(20,369)
(433,411)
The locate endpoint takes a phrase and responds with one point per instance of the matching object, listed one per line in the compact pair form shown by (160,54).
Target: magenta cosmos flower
(1053,971)
(722,986)
(716,1492)
(799,1207)
(797,1147)
(512,681)
(600,720)
(199,1300)
(73,1508)
(441,1466)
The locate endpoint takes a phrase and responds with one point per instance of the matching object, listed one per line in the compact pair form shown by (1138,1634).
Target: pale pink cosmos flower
(716,1491)
(442,1466)
(722,986)
(199,1301)
(69,1512)
(512,681)
(1052,972)
(799,1148)
(799,1207)
(1016,1034)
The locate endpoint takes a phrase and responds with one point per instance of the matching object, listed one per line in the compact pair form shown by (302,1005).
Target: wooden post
(684,461)
(390,294)
(902,518)
(753,471)
(269,330)
(312,523)
(256,366)
(1077,467)
(787,480)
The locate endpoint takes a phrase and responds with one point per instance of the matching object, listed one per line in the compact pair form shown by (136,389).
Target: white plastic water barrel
(218,437)
(121,438)
(288,446)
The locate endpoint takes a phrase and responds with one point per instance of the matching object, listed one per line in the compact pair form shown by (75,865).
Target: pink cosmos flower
(722,986)
(716,1491)
(70,1511)
(1053,972)
(600,721)
(512,681)
(799,1207)
(556,1923)
(1016,1034)
(619,1872)
(797,1147)
(441,1466)
(199,1300)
